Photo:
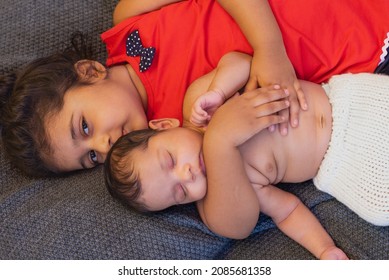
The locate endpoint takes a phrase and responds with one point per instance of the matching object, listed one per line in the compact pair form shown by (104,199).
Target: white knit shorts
(355,169)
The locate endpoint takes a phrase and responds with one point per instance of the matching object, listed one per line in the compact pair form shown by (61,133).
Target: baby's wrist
(220,93)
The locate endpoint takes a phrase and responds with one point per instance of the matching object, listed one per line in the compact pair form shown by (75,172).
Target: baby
(237,186)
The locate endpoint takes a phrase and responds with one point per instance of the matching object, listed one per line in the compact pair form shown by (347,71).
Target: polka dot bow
(134,48)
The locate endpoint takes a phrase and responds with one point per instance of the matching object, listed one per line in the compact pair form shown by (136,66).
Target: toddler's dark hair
(121,179)
(31,95)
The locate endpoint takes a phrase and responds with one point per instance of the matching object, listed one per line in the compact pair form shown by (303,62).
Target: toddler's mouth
(124,131)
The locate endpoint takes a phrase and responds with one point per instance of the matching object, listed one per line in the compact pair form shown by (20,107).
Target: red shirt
(322,38)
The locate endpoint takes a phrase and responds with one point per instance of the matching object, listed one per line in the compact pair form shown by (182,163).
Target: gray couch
(74,217)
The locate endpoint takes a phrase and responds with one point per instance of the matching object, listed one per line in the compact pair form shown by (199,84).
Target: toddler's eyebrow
(72,132)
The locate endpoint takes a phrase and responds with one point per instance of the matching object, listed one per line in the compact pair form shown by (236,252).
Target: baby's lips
(202,164)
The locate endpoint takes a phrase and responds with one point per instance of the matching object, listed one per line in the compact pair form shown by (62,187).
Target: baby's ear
(90,70)
(162,124)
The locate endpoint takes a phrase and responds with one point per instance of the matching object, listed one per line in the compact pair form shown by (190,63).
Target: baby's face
(171,169)
(92,119)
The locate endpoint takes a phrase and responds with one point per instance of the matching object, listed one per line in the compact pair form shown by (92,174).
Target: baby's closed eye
(179,193)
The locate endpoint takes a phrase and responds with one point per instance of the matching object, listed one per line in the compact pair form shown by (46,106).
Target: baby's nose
(186,174)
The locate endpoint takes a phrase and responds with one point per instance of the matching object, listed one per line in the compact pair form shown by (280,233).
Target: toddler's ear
(162,124)
(90,70)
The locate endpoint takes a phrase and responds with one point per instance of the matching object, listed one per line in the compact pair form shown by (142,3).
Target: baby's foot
(333,253)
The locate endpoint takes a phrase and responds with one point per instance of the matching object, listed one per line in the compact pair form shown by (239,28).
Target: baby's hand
(204,107)
(277,69)
(333,253)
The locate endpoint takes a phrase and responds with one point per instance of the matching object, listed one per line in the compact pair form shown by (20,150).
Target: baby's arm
(230,207)
(129,8)
(230,75)
(271,64)
(297,221)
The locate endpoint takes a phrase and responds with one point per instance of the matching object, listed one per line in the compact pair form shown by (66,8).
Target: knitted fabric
(355,169)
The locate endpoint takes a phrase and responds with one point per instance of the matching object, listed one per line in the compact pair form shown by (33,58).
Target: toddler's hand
(277,69)
(204,107)
(243,116)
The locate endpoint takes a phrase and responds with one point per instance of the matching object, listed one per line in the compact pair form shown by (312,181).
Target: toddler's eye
(85,128)
(93,157)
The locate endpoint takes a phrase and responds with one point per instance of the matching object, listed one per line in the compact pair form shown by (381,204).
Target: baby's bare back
(271,158)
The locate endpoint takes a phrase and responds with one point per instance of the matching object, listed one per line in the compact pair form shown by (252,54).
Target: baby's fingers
(198,120)
(197,109)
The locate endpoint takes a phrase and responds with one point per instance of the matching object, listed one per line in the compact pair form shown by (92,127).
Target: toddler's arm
(129,8)
(297,221)
(230,75)
(271,64)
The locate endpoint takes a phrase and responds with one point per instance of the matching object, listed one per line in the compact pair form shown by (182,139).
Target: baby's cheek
(201,189)
(196,191)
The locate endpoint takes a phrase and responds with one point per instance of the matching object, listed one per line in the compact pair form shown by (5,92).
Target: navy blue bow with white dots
(134,48)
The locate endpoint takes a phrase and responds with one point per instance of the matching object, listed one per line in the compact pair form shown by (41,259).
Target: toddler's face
(92,119)
(171,169)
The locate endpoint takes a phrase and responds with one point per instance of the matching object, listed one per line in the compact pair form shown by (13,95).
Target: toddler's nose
(102,145)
